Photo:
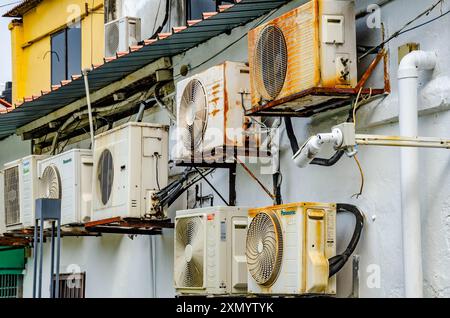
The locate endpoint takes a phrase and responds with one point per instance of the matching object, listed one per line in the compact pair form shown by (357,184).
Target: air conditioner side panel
(155,142)
(331,54)
(28,190)
(214,82)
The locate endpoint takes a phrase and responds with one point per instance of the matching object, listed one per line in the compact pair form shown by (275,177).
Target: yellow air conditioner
(297,57)
(288,248)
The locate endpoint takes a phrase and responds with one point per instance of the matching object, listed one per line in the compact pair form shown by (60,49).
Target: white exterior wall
(119,267)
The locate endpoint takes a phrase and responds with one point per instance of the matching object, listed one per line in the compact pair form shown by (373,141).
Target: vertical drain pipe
(88,101)
(408,79)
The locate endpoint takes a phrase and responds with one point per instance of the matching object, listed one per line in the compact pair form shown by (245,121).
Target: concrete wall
(118,266)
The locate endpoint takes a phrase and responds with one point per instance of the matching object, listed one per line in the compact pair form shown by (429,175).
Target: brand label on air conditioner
(287,213)
(26,167)
(67,161)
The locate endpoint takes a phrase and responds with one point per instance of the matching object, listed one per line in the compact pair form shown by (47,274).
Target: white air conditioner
(210,115)
(210,251)
(68,176)
(288,248)
(130,163)
(120,34)
(20,190)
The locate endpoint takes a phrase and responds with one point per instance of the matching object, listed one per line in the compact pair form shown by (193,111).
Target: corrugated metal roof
(19,10)
(113,69)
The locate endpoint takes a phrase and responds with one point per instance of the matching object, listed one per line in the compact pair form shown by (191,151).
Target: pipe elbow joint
(416,61)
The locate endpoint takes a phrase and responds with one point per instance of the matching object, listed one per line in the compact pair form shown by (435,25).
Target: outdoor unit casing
(210,114)
(20,190)
(210,251)
(68,176)
(288,248)
(130,163)
(120,34)
(312,46)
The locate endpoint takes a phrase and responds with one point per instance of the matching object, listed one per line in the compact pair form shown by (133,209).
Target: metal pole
(52,265)
(58,255)
(88,101)
(41,258)
(400,141)
(36,252)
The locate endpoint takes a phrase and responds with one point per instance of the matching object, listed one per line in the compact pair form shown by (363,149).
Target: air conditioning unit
(20,190)
(68,176)
(120,34)
(293,57)
(210,115)
(210,251)
(288,248)
(130,164)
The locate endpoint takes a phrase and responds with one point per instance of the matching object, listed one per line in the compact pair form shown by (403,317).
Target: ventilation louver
(12,198)
(51,183)
(264,248)
(193,114)
(189,252)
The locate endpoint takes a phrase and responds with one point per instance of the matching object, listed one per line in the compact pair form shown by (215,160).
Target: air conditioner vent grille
(264,248)
(12,196)
(189,252)
(271,61)
(105,175)
(193,114)
(51,183)
(112,35)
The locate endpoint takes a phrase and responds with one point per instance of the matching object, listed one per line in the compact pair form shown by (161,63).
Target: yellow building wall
(31,57)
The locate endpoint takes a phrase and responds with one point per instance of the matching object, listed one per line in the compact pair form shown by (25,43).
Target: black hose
(337,262)
(291,135)
(328,162)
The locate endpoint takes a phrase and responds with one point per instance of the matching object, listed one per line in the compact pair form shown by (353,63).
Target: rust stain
(214,112)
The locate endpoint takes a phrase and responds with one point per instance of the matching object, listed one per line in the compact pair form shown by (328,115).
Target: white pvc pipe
(408,79)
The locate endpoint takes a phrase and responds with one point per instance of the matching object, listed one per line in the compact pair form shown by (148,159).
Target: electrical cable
(157,172)
(166,18)
(402,29)
(337,262)
(361,172)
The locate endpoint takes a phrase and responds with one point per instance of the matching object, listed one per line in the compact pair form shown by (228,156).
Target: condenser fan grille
(112,40)
(51,183)
(11,193)
(189,252)
(264,248)
(105,175)
(271,62)
(193,114)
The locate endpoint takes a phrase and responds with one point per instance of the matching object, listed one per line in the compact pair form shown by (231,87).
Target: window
(72,285)
(66,54)
(11,285)
(195,8)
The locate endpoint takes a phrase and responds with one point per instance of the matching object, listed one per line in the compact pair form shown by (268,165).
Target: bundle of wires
(168,195)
